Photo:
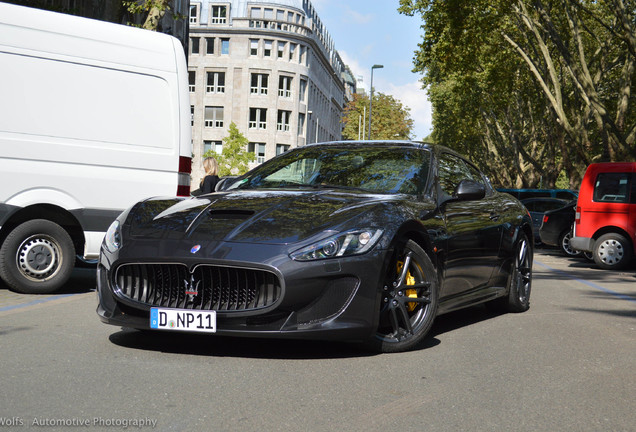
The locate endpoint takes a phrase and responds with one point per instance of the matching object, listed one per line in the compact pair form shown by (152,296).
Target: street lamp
(376,66)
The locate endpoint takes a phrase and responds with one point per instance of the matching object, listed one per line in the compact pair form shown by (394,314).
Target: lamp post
(376,66)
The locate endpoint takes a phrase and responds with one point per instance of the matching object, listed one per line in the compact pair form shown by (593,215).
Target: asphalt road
(568,364)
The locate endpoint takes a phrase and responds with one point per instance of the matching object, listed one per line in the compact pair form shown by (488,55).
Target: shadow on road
(225,346)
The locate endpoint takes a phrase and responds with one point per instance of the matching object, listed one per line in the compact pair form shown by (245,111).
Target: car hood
(274,217)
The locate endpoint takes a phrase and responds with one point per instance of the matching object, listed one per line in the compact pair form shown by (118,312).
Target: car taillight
(545,218)
(577,215)
(183,183)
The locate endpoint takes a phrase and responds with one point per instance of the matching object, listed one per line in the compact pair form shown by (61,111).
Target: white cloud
(413,96)
(359,18)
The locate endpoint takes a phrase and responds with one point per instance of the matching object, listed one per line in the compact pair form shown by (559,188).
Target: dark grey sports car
(360,241)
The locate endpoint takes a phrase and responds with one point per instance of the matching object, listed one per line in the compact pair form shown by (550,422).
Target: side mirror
(468,190)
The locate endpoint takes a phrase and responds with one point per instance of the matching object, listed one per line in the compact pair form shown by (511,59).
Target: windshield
(374,169)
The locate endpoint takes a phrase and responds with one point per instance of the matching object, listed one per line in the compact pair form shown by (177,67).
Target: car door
(473,228)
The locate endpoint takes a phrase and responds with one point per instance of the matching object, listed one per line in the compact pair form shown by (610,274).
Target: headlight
(112,240)
(353,242)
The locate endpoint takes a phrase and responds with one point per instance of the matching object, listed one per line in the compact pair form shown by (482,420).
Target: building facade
(268,66)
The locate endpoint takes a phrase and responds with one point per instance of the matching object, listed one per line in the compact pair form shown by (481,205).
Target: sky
(368,32)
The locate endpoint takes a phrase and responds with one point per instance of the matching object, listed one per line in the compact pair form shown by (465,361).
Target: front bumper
(331,299)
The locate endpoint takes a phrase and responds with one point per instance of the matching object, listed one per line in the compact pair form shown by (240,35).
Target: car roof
(436,148)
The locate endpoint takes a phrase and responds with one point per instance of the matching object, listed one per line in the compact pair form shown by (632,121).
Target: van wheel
(37,257)
(612,251)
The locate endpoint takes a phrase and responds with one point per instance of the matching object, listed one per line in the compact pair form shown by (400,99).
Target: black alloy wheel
(409,300)
(566,248)
(37,257)
(520,277)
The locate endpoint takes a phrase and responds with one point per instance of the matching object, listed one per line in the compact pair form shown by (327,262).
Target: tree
(391,120)
(539,90)
(153,10)
(234,157)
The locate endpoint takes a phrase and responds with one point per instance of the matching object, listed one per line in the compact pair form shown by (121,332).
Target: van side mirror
(468,190)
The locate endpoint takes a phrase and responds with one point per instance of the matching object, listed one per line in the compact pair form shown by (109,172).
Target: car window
(452,170)
(612,187)
(388,169)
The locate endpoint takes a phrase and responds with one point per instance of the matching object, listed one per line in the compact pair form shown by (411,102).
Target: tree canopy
(234,158)
(391,119)
(539,89)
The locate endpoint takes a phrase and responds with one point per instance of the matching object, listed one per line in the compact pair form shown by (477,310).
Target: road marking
(34,302)
(588,283)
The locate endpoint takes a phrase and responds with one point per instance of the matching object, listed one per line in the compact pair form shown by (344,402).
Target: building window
(191,115)
(259,84)
(215,146)
(194,14)
(269,14)
(283,121)
(292,51)
(281,49)
(213,117)
(303,55)
(258,118)
(259,150)
(253,47)
(209,45)
(192,76)
(301,124)
(303,90)
(194,45)
(284,86)
(225,46)
(219,14)
(215,82)
(267,52)
(281,148)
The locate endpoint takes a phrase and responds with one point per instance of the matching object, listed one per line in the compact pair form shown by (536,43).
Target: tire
(409,300)
(564,243)
(519,280)
(612,251)
(37,257)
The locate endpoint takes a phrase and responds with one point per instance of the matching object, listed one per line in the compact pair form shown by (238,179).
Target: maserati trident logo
(191,287)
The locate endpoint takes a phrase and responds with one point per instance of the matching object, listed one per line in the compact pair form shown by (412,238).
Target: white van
(94,117)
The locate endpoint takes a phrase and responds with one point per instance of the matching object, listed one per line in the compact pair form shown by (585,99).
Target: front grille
(207,287)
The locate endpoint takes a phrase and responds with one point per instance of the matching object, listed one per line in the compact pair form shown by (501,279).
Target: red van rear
(606,214)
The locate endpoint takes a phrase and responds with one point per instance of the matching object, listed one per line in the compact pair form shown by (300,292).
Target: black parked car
(538,207)
(353,241)
(556,228)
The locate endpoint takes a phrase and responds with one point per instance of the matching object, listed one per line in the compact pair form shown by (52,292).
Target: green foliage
(151,12)
(536,91)
(234,157)
(391,119)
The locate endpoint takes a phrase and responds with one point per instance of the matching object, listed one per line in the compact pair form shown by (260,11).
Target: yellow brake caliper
(410,280)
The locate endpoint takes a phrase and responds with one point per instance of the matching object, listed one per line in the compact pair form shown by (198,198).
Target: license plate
(183,319)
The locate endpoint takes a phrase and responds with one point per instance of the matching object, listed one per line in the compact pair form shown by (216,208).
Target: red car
(605,222)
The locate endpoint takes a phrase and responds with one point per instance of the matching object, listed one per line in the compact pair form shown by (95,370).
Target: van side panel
(90,109)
